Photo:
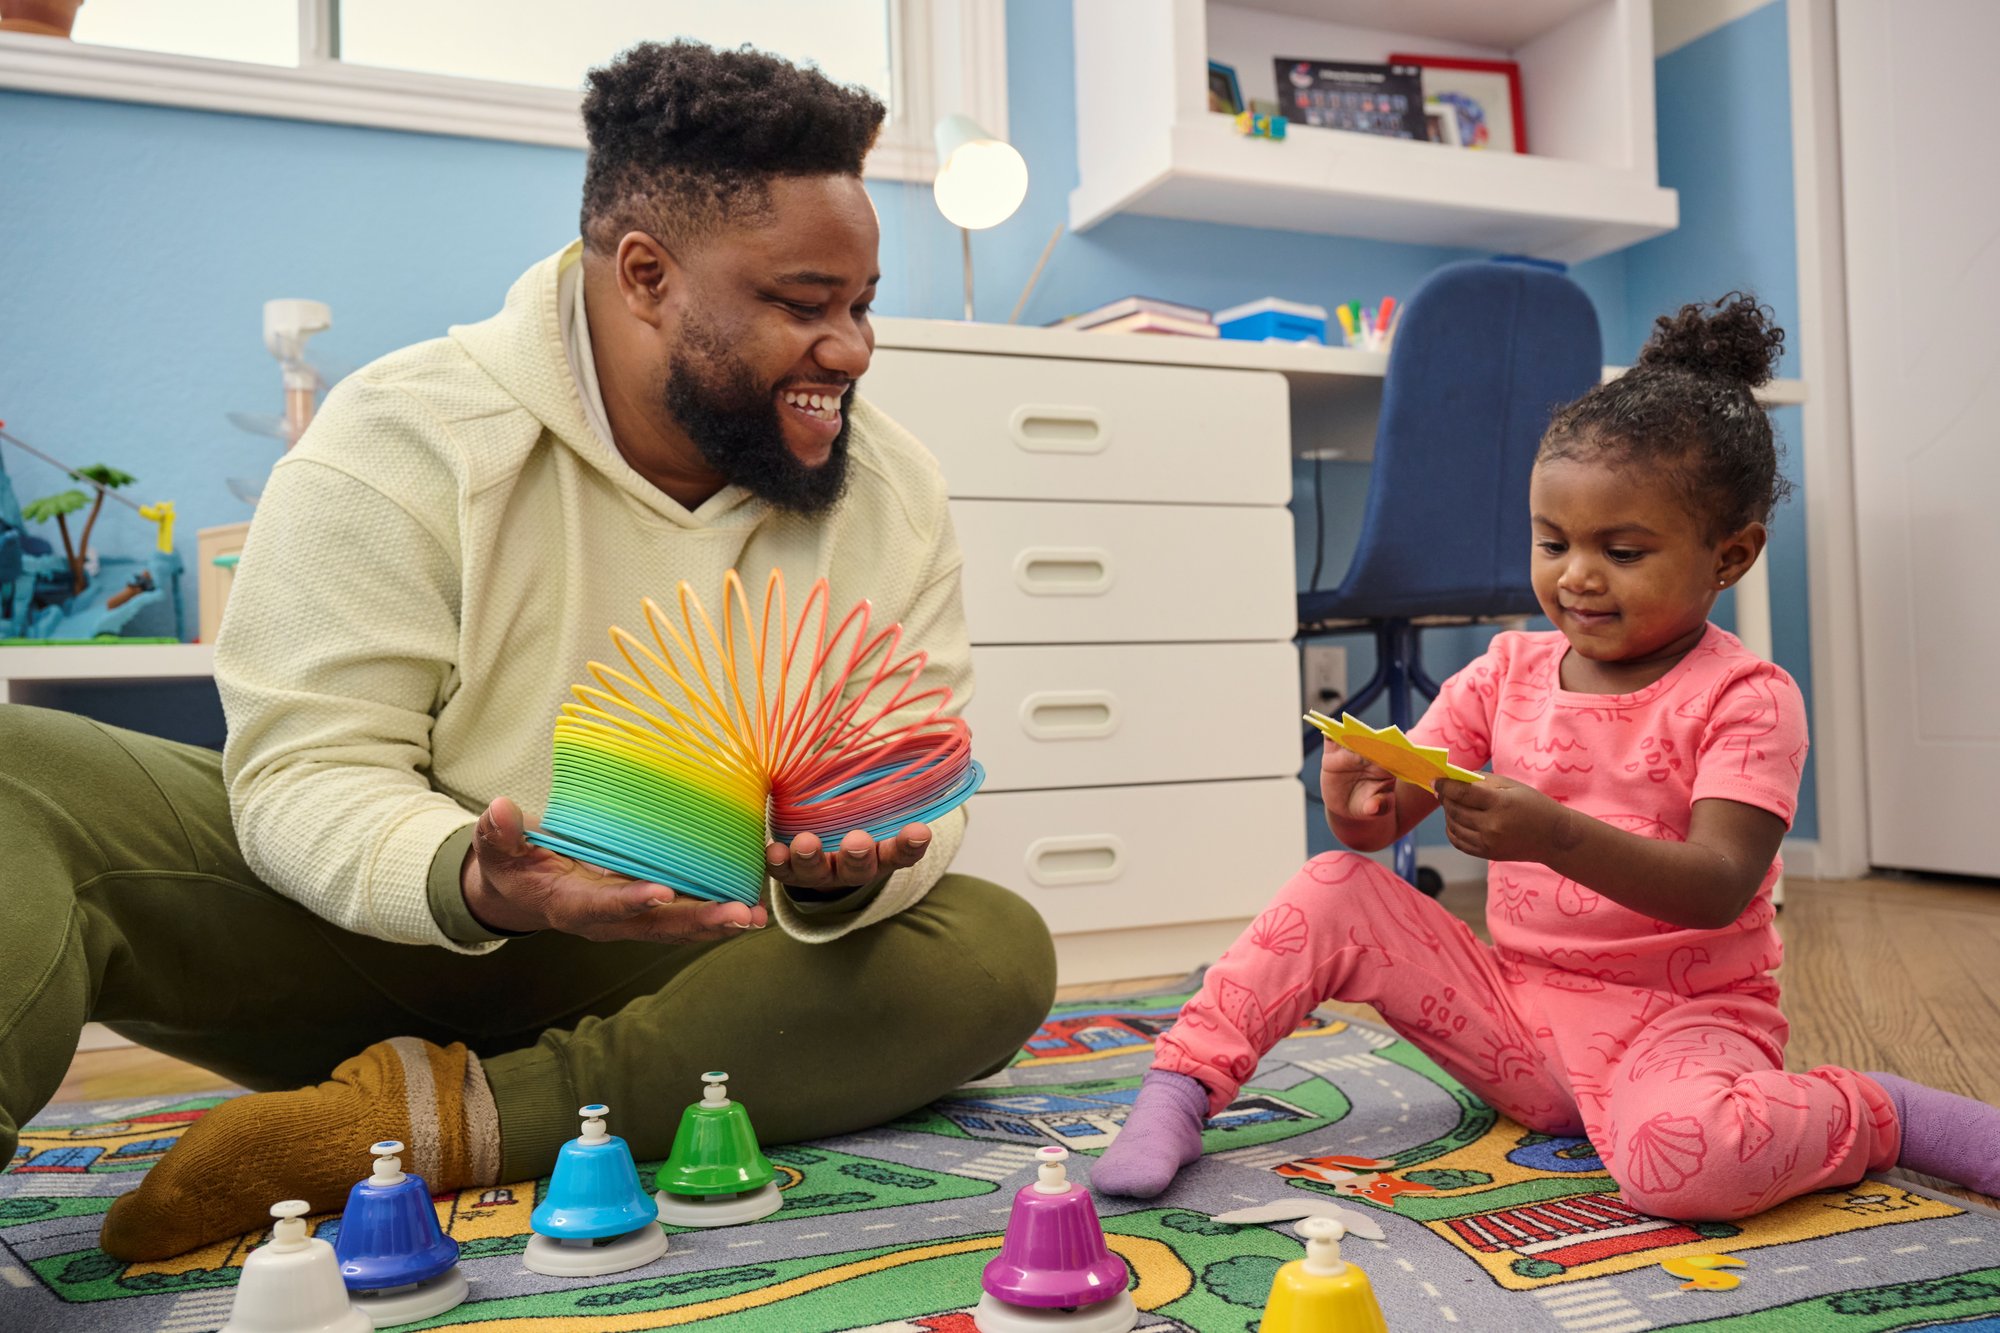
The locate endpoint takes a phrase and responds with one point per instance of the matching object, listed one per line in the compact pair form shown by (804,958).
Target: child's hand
(1503,820)
(1352,787)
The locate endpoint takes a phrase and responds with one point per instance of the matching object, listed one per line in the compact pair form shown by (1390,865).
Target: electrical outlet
(1324,675)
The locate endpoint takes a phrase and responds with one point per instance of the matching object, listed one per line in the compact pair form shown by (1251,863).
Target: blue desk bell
(398,1264)
(597,1218)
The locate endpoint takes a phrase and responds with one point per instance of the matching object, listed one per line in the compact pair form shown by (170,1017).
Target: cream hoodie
(434,564)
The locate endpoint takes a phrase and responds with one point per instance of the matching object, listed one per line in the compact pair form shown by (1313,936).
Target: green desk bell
(716,1176)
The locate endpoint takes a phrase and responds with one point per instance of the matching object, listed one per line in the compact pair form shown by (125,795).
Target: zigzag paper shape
(1389,748)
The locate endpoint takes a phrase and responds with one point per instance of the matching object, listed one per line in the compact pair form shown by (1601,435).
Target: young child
(1645,769)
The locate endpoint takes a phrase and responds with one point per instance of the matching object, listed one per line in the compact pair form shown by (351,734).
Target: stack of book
(1143,314)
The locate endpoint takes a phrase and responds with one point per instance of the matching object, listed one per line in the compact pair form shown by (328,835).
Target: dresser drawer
(1085,573)
(1102,715)
(1108,858)
(1032,428)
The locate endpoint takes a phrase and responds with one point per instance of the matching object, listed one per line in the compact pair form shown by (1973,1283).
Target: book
(1147,321)
(1132,305)
(1383,100)
(1271,304)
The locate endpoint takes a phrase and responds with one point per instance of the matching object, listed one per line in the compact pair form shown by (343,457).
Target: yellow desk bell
(1322,1293)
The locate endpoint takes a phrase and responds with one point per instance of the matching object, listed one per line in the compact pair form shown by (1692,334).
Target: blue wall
(1725,136)
(141,243)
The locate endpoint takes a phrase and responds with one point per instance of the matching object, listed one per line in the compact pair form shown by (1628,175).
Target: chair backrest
(1483,355)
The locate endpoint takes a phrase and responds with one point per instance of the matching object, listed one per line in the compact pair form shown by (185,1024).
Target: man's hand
(1504,820)
(512,885)
(857,861)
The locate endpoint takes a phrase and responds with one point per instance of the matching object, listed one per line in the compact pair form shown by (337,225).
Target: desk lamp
(981,180)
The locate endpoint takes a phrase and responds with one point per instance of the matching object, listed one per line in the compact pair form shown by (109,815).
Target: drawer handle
(1059,430)
(1047,571)
(1073,715)
(1094,858)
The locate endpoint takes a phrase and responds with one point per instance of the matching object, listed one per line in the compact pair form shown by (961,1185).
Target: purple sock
(1954,1138)
(1162,1135)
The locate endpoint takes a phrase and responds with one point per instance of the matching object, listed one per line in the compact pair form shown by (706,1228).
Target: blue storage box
(1271,318)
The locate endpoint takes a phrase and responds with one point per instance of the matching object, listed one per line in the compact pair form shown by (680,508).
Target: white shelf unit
(27,671)
(1147,143)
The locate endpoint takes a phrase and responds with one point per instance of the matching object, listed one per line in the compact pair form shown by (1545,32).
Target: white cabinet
(1039,428)
(1104,715)
(1129,591)
(1147,143)
(1134,858)
(1090,573)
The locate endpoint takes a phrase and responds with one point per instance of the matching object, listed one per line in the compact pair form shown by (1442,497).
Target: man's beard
(735,423)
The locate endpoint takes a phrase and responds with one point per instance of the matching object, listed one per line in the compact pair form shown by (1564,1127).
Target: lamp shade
(981,180)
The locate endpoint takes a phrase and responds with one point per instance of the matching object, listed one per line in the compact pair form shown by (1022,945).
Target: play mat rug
(1486,1226)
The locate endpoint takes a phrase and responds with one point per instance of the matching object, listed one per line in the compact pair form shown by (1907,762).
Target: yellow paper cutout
(1701,1269)
(1389,748)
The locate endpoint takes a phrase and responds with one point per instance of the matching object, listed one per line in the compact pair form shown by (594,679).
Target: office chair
(1484,353)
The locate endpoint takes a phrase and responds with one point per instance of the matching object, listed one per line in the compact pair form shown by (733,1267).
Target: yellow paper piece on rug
(1389,748)
(1700,1270)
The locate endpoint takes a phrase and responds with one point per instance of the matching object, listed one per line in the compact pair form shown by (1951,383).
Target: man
(429,570)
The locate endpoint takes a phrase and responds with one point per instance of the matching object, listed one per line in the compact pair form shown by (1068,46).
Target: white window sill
(963,68)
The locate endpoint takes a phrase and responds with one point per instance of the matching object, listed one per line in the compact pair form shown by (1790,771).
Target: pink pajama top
(1723,724)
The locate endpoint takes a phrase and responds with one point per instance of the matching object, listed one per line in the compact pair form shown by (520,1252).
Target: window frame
(945,56)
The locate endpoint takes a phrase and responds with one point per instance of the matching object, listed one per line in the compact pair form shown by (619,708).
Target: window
(508,69)
(258,31)
(528,41)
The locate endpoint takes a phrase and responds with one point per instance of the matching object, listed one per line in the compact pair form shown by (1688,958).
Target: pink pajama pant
(1685,1098)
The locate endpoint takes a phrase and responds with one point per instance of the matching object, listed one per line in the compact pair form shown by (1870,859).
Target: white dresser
(1129,589)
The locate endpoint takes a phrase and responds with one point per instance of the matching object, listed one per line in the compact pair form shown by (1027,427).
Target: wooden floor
(1880,974)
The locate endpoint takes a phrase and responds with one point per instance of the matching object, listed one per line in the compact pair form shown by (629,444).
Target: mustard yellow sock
(230,1166)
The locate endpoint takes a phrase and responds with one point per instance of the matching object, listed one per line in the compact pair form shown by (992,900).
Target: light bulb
(981,183)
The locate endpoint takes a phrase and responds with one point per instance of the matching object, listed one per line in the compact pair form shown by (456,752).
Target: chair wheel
(1429,882)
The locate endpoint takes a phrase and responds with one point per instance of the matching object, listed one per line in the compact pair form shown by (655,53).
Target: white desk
(1335,393)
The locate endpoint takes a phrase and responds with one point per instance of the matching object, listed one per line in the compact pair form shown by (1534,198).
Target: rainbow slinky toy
(679,769)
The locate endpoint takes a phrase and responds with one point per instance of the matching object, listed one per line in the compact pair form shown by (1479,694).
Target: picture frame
(1485,96)
(1441,122)
(1383,100)
(1225,94)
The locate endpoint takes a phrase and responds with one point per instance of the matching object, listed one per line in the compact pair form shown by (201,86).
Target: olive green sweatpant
(123,899)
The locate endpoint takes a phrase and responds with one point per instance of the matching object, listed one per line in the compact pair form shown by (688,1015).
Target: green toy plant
(61,505)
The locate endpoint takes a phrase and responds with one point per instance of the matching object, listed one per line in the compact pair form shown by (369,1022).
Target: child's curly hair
(1688,407)
(684,137)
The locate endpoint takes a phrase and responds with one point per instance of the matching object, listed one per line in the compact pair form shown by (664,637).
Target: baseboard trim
(1456,866)
(97,1037)
(1142,951)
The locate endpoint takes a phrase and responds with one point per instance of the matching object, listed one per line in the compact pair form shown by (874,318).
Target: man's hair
(685,138)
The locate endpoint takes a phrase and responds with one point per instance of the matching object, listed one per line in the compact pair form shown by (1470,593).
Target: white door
(1922,204)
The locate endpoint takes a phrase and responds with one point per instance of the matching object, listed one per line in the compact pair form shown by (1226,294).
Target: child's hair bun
(1733,339)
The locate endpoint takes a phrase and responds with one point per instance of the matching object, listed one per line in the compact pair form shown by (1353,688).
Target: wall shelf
(1336,183)
(1148,144)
